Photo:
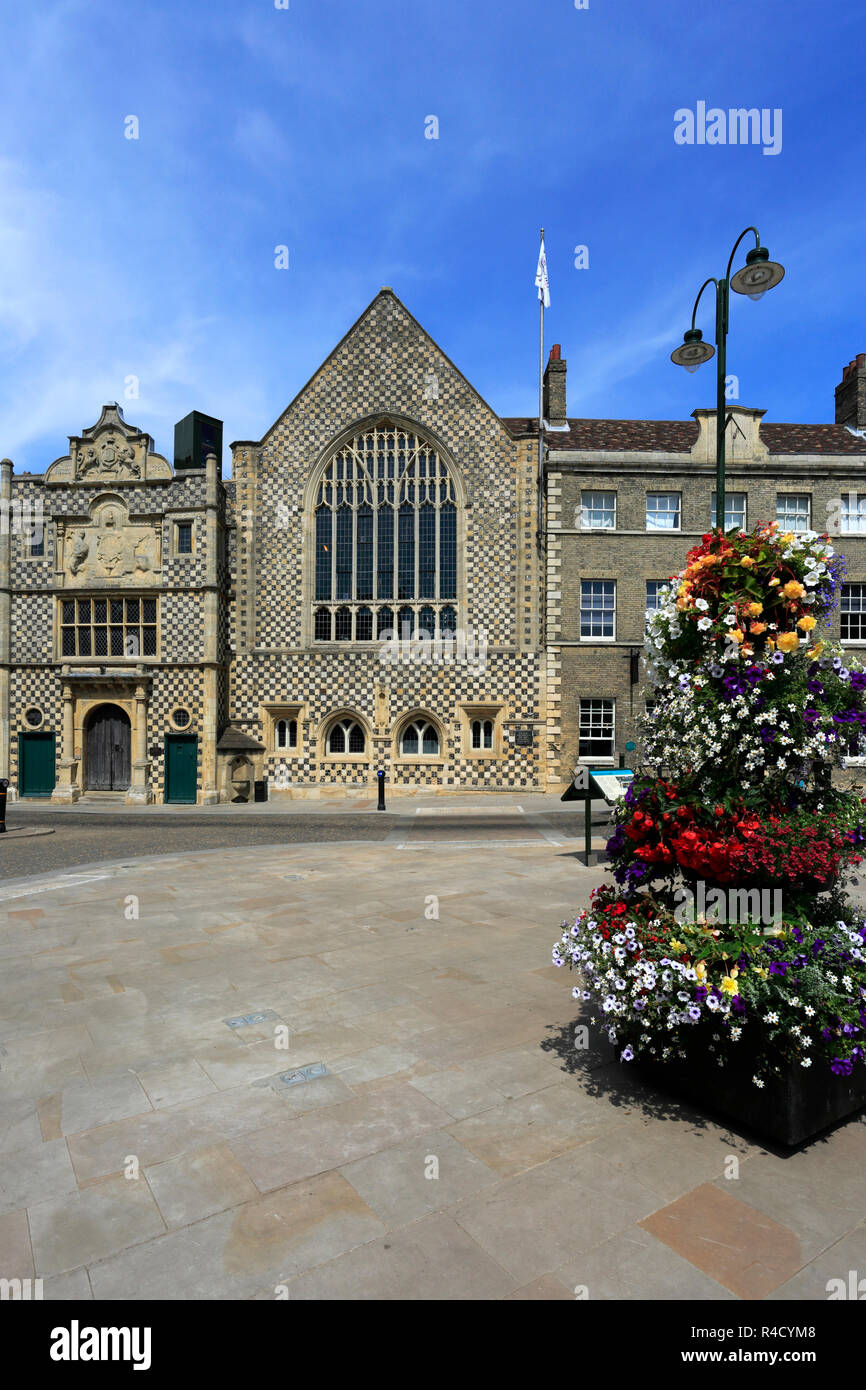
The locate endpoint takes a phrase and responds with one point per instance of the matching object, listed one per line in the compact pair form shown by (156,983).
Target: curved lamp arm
(736,244)
(711,281)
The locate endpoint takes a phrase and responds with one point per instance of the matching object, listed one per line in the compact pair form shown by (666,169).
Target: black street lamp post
(758,275)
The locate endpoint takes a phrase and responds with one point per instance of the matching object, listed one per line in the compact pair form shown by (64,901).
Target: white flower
(758,1082)
(771,1018)
(806,1062)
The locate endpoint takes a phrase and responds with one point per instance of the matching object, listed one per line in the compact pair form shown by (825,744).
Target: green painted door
(36,775)
(181,766)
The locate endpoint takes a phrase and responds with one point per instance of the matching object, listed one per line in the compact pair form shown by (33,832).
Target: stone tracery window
(345,736)
(385,537)
(420,738)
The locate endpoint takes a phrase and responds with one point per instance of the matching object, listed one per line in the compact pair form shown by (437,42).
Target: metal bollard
(4,786)
(381,780)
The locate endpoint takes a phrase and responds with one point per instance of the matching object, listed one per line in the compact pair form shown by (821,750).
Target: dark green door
(181,766)
(35,764)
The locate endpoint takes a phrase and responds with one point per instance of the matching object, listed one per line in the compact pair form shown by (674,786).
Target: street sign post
(599,784)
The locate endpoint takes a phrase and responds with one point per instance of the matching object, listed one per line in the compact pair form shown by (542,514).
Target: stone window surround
(328,723)
(493,710)
(423,759)
(176,521)
(272,711)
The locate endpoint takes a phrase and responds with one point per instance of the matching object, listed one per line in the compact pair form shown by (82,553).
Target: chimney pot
(556,353)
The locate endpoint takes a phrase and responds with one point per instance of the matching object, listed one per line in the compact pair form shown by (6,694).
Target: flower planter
(788,1110)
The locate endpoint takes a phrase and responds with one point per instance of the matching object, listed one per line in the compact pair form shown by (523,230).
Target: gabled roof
(385,293)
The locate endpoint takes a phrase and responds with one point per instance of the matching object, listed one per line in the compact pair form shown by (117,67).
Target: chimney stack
(554,389)
(851,394)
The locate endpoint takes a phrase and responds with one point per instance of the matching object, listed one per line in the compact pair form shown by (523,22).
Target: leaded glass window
(346,736)
(385,532)
(120,627)
(420,739)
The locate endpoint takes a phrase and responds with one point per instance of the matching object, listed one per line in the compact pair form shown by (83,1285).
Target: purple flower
(841,1066)
(627,1055)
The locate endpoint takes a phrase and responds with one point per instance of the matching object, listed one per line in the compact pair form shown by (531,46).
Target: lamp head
(758,275)
(693,351)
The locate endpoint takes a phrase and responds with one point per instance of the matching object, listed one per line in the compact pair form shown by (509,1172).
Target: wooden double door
(109,749)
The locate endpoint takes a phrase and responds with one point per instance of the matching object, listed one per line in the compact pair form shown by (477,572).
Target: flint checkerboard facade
(188,606)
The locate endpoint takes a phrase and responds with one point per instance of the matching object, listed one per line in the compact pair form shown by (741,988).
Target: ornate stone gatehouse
(113,663)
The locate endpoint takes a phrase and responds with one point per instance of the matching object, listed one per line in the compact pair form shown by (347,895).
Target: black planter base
(788,1110)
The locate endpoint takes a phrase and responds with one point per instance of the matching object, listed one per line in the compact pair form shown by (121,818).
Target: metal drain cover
(247,1019)
(297,1078)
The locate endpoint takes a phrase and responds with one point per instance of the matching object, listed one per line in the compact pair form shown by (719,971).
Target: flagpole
(541,411)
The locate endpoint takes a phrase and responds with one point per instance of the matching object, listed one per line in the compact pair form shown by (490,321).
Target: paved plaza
(430,1132)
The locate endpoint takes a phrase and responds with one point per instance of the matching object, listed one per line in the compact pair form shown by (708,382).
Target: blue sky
(154,258)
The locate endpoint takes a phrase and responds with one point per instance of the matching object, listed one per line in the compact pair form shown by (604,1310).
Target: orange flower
(757,628)
(793,589)
(787,641)
(807,623)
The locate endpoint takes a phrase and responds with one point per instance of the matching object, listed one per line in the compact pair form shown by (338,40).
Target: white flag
(541,281)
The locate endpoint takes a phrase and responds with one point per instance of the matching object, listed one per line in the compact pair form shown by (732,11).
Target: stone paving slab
(448,1141)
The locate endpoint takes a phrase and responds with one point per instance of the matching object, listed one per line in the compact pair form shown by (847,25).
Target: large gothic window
(385,540)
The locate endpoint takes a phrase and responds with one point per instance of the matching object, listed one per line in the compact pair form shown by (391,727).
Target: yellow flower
(807,623)
(737,634)
(729,984)
(771,645)
(747,562)
(793,589)
(787,641)
(678,945)
(754,610)
(774,582)
(787,538)
(762,971)
(817,649)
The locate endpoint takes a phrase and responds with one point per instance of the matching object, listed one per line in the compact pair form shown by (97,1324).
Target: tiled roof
(679,436)
(811,439)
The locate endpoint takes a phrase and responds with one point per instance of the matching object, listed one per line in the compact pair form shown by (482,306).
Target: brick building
(627,499)
(371,590)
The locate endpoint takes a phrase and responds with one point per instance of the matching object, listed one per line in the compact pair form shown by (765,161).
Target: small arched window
(346,736)
(482,733)
(286,733)
(420,739)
